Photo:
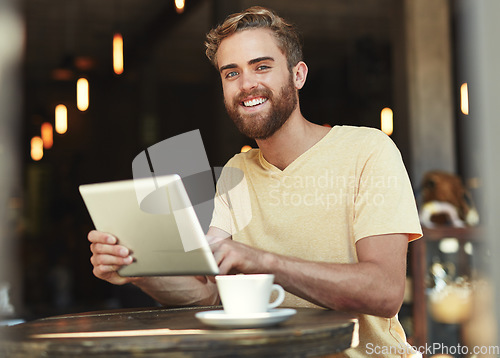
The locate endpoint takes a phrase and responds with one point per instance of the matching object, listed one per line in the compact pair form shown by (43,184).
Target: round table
(161,332)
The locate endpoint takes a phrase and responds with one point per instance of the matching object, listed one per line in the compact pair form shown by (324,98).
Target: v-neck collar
(298,160)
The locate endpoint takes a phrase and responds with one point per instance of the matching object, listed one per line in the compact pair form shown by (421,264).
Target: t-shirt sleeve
(232,205)
(384,200)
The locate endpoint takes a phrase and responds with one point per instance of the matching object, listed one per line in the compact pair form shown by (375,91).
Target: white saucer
(221,319)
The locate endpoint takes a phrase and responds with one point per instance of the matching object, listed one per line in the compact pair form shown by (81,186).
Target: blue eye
(231,74)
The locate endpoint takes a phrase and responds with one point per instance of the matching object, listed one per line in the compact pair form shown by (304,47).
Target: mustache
(263,92)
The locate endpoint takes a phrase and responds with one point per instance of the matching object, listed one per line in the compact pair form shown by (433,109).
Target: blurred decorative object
(47,132)
(7,312)
(468,248)
(445,201)
(387,121)
(449,245)
(442,275)
(118,54)
(447,212)
(82,94)
(36,148)
(453,305)
(450,302)
(61,119)
(464,98)
(5,307)
(245,148)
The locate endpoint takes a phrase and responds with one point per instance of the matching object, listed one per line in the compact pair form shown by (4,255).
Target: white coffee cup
(248,294)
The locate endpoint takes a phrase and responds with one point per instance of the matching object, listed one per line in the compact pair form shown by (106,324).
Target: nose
(248,81)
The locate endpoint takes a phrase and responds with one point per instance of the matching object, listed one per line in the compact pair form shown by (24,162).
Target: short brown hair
(286,34)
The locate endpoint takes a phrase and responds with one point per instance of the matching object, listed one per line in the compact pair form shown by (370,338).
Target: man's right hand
(108,256)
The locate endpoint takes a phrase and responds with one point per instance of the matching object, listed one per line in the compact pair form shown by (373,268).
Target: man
(331,210)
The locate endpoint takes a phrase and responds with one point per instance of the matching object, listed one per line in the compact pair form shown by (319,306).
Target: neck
(294,138)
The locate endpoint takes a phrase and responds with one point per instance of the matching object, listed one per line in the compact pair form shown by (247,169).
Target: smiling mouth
(254,102)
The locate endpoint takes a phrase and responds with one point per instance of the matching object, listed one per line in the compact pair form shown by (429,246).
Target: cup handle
(281,296)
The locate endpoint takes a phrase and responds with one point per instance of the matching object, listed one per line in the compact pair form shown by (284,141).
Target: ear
(300,74)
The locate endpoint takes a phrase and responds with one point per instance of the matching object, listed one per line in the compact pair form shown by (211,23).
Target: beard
(264,125)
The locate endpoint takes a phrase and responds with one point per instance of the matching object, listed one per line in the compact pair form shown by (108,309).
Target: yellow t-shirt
(351,184)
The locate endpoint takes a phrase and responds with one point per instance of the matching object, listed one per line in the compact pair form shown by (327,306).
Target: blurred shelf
(462,234)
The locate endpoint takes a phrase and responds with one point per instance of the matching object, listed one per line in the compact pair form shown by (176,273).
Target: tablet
(154,218)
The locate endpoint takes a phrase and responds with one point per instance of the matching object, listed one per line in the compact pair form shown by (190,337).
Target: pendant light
(118,53)
(61,119)
(464,98)
(82,94)
(47,132)
(387,121)
(36,148)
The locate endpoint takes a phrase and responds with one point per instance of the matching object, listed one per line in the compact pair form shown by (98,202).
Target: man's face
(259,92)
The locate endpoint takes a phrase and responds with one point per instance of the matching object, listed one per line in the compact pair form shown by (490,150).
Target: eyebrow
(251,62)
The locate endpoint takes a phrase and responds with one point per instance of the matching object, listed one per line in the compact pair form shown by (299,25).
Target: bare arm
(374,285)
(108,256)
(180,290)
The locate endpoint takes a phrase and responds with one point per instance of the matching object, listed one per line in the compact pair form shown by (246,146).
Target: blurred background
(404,66)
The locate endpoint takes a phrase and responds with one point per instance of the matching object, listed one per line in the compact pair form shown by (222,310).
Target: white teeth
(254,102)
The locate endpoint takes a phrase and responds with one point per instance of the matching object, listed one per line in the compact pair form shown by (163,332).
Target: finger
(116,250)
(106,269)
(106,272)
(98,260)
(109,273)
(101,237)
(226,265)
(218,256)
(221,250)
(224,268)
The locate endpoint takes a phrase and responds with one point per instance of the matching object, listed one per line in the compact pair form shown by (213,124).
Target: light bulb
(118,54)
(179,6)
(464,98)
(36,148)
(387,121)
(47,135)
(82,94)
(245,148)
(61,119)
